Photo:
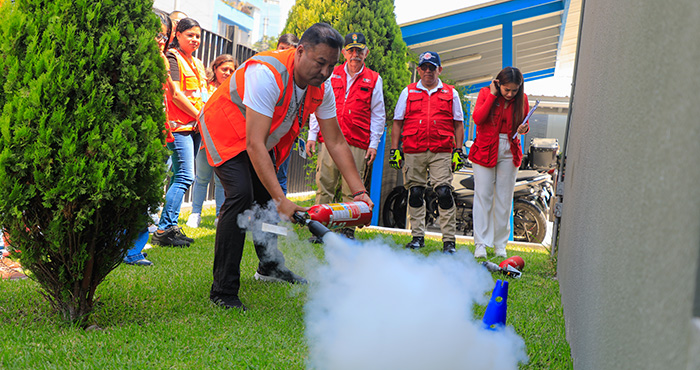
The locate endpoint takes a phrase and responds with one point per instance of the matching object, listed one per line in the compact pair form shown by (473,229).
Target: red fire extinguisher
(337,215)
(515,261)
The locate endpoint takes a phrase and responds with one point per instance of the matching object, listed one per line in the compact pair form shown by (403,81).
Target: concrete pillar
(630,228)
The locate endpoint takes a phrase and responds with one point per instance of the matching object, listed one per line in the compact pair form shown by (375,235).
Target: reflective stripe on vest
(178,119)
(223,117)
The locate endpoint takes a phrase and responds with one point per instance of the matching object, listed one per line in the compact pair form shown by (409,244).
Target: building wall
(266,19)
(630,228)
(201,11)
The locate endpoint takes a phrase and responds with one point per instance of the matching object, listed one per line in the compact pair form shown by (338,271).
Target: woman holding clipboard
(496,153)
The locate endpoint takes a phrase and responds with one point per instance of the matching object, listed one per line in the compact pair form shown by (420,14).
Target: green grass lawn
(161,317)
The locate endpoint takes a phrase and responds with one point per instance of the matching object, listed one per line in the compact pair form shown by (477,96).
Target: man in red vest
(359,102)
(429,116)
(248,128)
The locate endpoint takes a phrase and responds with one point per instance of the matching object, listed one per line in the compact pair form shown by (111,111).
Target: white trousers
(493,198)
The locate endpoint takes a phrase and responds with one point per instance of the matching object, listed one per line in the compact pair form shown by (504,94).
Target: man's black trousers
(243,188)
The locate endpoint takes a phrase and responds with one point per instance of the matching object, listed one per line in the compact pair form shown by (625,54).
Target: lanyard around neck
(300,106)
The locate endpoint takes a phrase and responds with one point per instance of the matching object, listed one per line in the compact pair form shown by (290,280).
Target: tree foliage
(81,142)
(304,13)
(388,53)
(373,18)
(266,43)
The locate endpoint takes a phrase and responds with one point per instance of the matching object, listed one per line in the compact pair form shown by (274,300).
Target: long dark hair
(508,75)
(165,20)
(182,26)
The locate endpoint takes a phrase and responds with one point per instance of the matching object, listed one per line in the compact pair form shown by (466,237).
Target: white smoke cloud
(253,218)
(374,307)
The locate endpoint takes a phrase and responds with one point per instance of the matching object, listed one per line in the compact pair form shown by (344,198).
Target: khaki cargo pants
(415,169)
(328,175)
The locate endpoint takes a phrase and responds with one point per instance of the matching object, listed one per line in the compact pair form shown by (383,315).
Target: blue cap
(429,57)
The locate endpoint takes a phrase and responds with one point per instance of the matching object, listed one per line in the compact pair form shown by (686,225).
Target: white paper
(275,229)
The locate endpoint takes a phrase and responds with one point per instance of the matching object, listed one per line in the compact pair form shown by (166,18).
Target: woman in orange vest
(219,70)
(496,154)
(135,255)
(189,92)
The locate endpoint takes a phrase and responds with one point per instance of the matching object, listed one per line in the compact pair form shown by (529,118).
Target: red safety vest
(488,113)
(429,121)
(193,80)
(223,122)
(354,112)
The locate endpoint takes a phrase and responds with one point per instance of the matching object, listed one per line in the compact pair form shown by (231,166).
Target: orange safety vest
(223,122)
(193,81)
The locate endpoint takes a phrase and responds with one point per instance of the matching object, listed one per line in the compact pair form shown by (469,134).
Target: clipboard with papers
(532,110)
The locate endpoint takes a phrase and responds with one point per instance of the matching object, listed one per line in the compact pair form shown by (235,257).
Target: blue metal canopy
(475,43)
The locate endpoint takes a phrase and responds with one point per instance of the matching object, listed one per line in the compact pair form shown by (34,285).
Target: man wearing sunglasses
(429,116)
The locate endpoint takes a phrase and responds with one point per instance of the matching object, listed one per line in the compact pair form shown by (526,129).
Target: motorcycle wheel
(394,211)
(529,223)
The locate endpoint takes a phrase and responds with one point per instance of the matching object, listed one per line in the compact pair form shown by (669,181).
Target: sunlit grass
(161,317)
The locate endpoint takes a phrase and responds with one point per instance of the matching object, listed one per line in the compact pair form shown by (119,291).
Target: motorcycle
(531,198)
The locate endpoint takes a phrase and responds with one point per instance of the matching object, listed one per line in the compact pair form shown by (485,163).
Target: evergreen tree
(81,142)
(305,13)
(376,20)
(388,54)
(266,43)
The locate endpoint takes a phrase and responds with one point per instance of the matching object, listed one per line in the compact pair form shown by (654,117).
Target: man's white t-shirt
(262,93)
(400,110)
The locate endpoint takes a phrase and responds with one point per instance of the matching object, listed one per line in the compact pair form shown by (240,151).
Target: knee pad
(444,195)
(415,196)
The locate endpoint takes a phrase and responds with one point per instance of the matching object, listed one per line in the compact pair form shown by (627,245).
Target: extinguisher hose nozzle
(317,228)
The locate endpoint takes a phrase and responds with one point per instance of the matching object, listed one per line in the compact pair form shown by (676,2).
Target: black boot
(449,247)
(416,243)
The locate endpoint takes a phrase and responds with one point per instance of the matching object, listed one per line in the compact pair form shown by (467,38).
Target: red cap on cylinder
(515,261)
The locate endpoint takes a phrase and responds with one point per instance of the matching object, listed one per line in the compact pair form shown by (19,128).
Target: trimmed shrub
(82,160)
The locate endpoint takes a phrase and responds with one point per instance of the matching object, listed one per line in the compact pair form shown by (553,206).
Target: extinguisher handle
(299,218)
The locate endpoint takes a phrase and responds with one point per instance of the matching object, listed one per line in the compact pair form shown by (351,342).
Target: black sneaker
(416,243)
(181,235)
(449,247)
(169,238)
(315,240)
(279,276)
(228,302)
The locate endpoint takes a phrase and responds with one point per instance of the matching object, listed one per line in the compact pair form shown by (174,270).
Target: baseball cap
(429,57)
(355,40)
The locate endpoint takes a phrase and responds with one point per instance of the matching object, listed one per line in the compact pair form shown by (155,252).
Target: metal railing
(214,45)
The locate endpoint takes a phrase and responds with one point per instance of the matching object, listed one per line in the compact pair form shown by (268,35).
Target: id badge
(301,145)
